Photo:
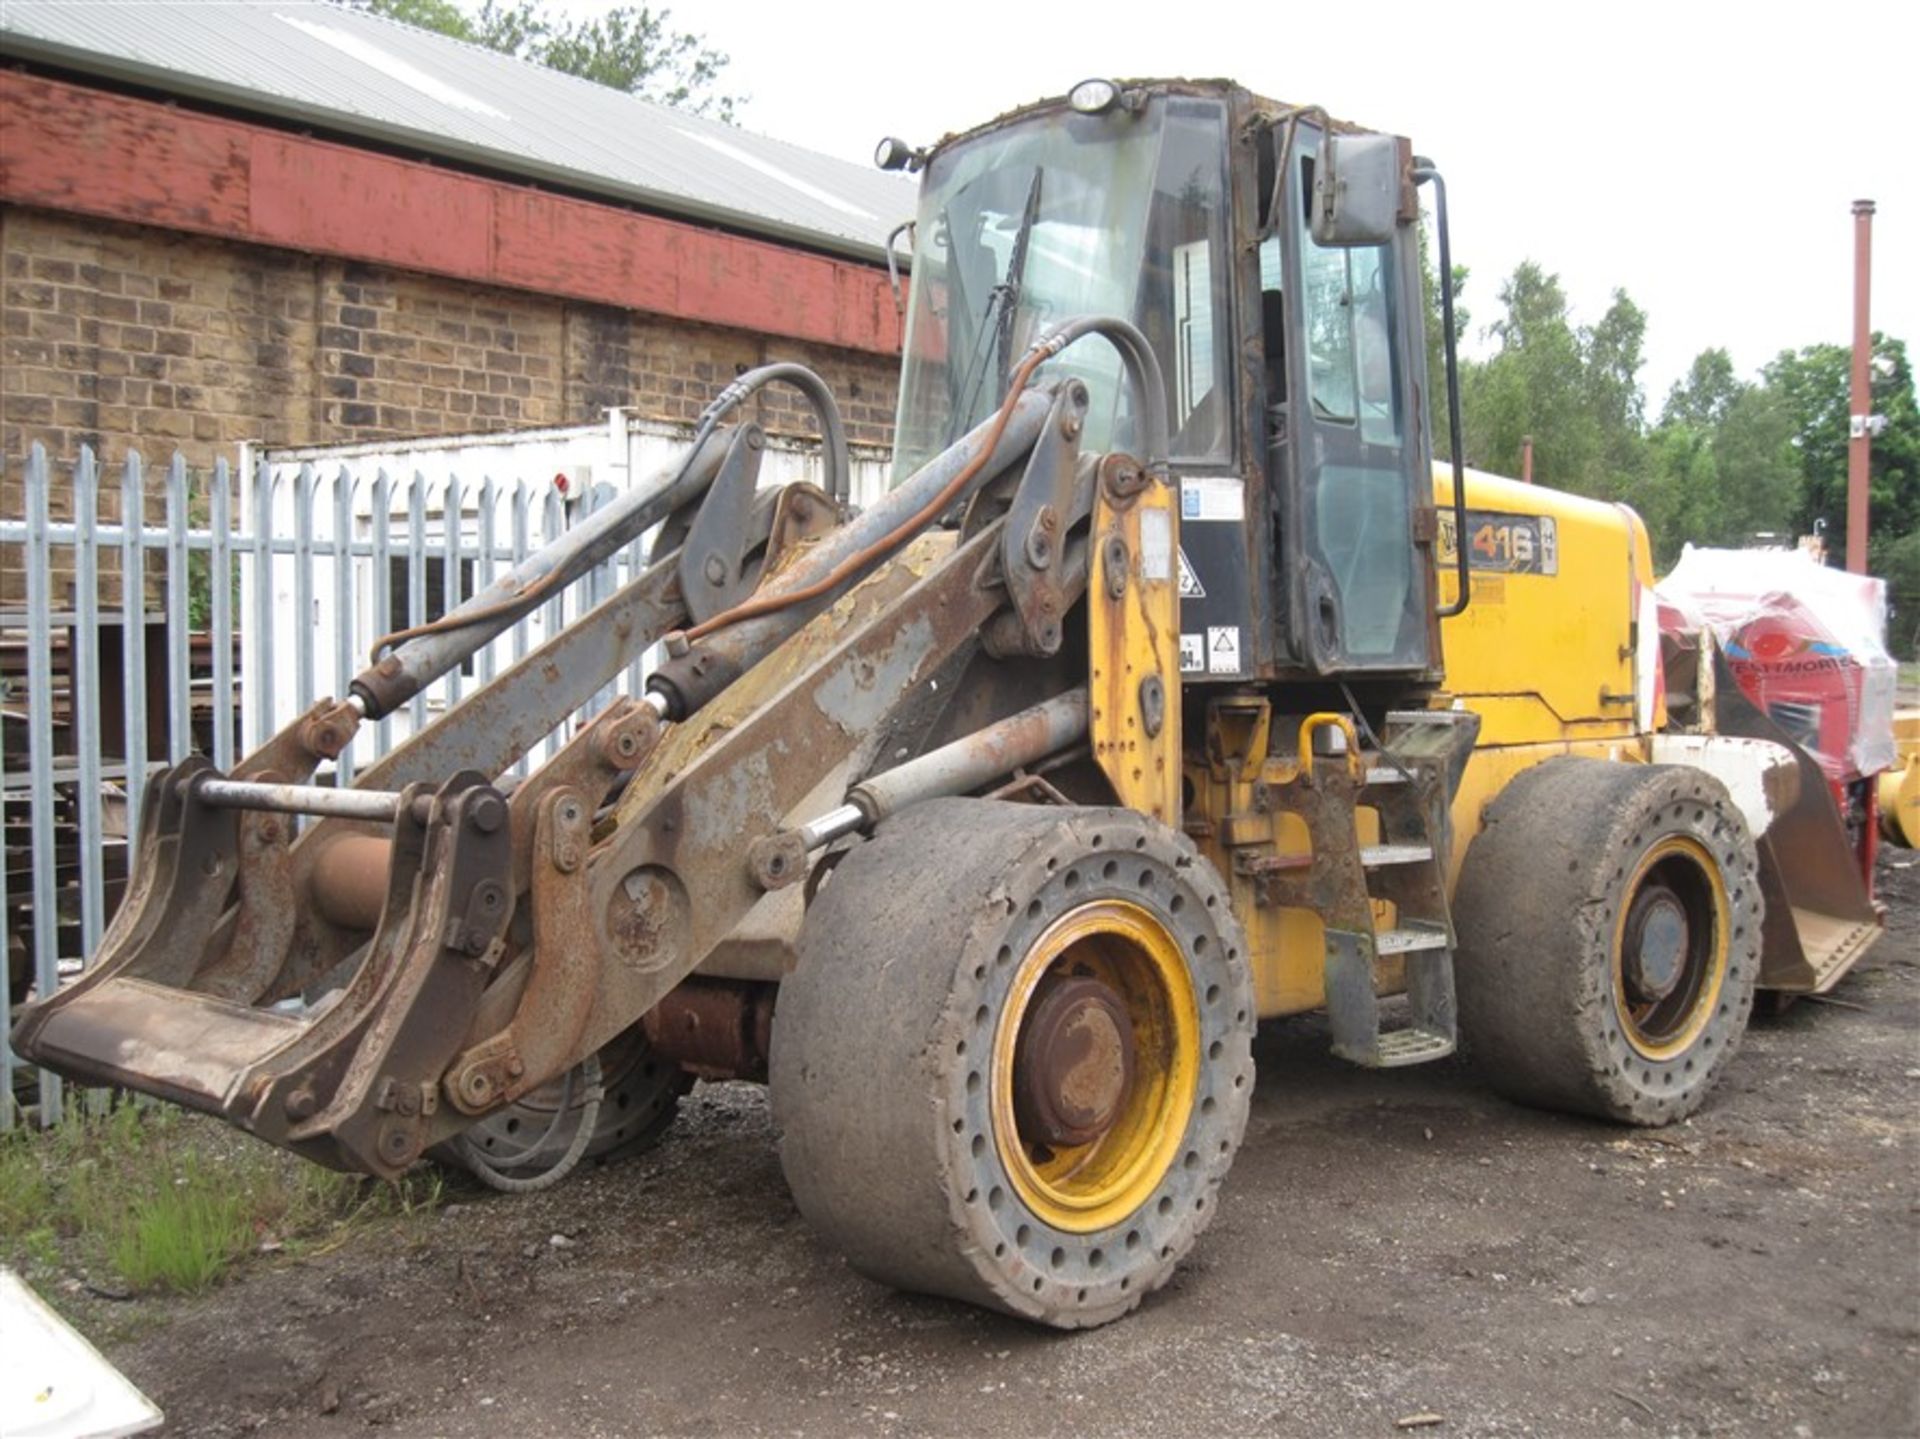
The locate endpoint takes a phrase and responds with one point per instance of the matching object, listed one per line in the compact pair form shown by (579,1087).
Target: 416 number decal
(1506,544)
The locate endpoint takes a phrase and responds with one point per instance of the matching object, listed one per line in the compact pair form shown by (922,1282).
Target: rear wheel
(1609,926)
(1013,1065)
(537,1140)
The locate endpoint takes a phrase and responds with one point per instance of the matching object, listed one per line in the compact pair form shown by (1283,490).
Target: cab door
(1359,545)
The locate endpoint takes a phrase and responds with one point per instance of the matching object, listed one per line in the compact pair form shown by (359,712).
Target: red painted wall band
(66,147)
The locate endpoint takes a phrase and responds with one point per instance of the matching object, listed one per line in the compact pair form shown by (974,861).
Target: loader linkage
(435,945)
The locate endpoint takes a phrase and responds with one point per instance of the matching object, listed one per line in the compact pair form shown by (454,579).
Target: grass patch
(166,1201)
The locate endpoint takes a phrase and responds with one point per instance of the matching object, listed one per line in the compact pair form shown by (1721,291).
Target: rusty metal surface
(672,882)
(461,998)
(1074,1063)
(188,856)
(618,740)
(965,764)
(1820,918)
(347,879)
(801,513)
(159,1039)
(714,573)
(1034,538)
(387,1078)
(293,754)
(692,679)
(715,1028)
(486,732)
(263,926)
(539,1043)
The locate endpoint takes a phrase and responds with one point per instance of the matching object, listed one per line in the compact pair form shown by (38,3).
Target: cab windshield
(1059,216)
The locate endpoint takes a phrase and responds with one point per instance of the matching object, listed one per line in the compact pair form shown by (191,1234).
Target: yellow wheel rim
(1664,1026)
(1091,1186)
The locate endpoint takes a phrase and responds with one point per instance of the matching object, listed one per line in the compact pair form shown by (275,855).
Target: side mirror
(1356,190)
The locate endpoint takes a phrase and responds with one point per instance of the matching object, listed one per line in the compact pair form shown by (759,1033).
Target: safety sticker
(1193,655)
(1156,547)
(1190,586)
(1213,497)
(1223,649)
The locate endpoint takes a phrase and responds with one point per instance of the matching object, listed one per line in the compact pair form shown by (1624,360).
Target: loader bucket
(349,1083)
(1820,918)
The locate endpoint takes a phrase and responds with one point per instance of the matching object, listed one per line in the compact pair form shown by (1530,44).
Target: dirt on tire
(1389,1245)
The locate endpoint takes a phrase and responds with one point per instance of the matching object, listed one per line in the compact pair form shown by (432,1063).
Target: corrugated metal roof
(358,74)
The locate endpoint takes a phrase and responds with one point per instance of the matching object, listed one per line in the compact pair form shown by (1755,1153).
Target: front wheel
(1014,1062)
(1609,938)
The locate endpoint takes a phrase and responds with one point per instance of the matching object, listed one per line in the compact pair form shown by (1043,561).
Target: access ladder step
(1409,939)
(1353,1001)
(1399,1047)
(1378,856)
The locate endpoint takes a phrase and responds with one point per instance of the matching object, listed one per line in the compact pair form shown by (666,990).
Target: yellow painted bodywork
(1547,660)
(1546,657)
(1085,1188)
(1133,636)
(1900,786)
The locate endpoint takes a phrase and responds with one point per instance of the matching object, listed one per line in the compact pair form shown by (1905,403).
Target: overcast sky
(1702,156)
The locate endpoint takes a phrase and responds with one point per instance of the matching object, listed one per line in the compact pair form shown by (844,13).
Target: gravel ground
(1388,1246)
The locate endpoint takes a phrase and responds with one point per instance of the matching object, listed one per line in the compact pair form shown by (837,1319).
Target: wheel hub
(1656,942)
(1074,1064)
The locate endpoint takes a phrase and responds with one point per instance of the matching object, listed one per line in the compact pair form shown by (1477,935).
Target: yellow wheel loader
(1170,688)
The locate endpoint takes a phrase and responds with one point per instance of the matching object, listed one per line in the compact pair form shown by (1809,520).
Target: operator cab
(1295,370)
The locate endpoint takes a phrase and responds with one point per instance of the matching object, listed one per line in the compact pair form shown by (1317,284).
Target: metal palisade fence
(199,611)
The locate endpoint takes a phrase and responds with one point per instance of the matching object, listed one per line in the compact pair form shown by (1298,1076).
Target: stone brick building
(191,257)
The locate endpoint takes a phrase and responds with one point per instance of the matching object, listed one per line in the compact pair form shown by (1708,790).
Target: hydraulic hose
(567,560)
(1150,403)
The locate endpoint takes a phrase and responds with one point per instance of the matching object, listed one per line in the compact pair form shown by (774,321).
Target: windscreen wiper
(996,322)
(1016,270)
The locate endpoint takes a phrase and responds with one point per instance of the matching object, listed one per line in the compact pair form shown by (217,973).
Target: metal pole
(40,759)
(1860,428)
(298,799)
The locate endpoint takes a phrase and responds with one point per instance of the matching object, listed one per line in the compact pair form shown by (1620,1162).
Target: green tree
(1896,559)
(1721,467)
(1813,385)
(633,48)
(1574,390)
(1436,332)
(1702,397)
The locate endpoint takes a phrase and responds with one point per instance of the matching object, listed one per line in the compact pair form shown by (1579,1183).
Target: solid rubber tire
(1536,911)
(887,1146)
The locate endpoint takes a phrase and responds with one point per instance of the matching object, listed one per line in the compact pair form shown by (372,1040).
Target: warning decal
(1193,655)
(1190,586)
(1223,649)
